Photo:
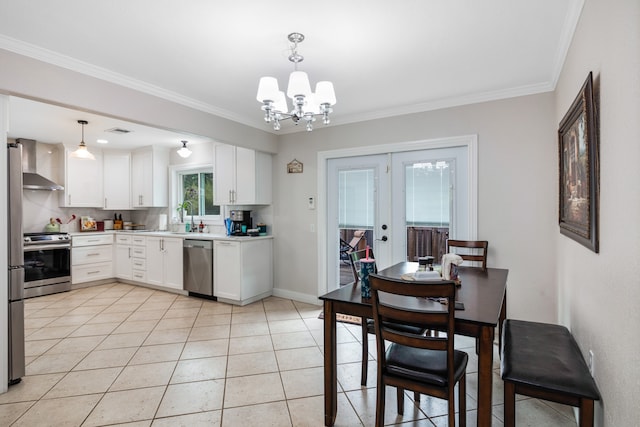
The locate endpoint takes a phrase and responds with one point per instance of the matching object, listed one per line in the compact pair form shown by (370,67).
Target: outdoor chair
(353,245)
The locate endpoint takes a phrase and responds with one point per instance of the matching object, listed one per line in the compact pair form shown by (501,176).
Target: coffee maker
(240,222)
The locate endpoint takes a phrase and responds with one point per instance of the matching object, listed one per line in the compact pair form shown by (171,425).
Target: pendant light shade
(267,89)
(325,93)
(83,152)
(298,85)
(184,152)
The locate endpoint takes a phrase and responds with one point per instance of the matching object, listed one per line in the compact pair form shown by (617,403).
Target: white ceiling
(385,58)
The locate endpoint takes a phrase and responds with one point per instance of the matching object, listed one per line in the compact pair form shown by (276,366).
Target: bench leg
(509,404)
(586,413)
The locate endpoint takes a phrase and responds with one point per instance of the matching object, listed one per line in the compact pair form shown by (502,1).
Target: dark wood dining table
(483,294)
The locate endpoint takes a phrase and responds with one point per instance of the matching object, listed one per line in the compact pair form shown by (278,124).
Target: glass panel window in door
(428,207)
(356,215)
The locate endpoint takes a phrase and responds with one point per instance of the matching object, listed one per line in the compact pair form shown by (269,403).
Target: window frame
(175,173)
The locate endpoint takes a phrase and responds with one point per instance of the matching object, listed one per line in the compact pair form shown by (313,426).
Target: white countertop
(182,235)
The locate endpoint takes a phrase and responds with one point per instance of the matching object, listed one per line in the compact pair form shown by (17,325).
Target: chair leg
(365,352)
(451,403)
(400,398)
(380,404)
(509,404)
(462,401)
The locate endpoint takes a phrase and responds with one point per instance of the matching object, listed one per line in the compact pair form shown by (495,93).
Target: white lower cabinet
(242,270)
(130,257)
(91,258)
(164,261)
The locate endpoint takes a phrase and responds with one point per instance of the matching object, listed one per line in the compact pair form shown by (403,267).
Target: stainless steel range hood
(31,179)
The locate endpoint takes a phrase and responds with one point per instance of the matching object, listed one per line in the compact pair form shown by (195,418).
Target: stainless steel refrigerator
(16,264)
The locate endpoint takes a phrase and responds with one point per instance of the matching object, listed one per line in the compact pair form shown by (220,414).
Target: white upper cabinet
(117,180)
(82,180)
(242,176)
(149,177)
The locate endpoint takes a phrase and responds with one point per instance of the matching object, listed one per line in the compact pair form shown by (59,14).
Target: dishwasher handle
(197,244)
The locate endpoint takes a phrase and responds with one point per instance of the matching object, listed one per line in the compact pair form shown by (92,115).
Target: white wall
(600,293)
(517,192)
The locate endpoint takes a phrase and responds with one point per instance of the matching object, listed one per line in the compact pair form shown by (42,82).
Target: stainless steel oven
(47,263)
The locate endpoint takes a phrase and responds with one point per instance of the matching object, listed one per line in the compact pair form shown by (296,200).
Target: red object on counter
(100,225)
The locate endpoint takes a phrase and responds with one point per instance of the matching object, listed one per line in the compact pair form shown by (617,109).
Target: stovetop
(46,237)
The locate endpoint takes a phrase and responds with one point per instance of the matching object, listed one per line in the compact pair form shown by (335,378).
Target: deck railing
(426,241)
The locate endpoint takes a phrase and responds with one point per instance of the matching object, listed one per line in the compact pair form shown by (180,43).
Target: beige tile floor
(118,354)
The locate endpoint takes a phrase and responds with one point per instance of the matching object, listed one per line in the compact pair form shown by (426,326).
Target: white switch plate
(311,203)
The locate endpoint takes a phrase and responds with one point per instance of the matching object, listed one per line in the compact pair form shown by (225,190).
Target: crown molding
(69,63)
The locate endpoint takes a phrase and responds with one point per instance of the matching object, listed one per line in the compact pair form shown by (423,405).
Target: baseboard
(296,296)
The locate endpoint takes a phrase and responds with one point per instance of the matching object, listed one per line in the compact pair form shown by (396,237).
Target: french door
(395,195)
(358,199)
(430,196)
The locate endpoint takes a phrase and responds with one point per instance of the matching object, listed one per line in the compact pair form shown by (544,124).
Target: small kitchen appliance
(241,222)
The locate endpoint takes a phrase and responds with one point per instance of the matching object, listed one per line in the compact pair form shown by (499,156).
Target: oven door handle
(34,248)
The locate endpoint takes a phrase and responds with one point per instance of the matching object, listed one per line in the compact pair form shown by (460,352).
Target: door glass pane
(356,192)
(428,208)
(356,215)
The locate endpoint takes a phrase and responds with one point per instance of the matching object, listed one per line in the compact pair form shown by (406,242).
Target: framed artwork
(579,169)
(295,166)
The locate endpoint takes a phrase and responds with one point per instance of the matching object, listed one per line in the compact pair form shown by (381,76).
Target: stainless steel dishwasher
(198,267)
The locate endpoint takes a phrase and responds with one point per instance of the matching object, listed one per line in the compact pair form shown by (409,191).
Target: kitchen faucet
(192,227)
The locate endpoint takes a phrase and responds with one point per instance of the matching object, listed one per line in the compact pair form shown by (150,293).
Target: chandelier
(306,104)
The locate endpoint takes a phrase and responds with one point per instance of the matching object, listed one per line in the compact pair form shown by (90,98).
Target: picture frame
(88,224)
(295,166)
(579,181)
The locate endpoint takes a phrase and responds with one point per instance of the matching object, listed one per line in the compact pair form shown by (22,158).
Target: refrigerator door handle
(14,166)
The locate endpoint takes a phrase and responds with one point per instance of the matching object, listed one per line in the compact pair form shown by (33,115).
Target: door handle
(384,239)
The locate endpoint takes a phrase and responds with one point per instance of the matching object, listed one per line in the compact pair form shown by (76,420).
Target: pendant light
(82,152)
(184,152)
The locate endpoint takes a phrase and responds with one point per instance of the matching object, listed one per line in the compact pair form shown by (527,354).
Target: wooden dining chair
(423,364)
(476,250)
(367,324)
(470,250)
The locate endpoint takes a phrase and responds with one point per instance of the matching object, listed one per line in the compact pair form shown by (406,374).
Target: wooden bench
(544,361)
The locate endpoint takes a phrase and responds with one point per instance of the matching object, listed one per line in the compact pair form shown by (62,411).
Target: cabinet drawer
(139,275)
(87,273)
(139,264)
(94,239)
(139,252)
(91,254)
(123,239)
(139,240)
